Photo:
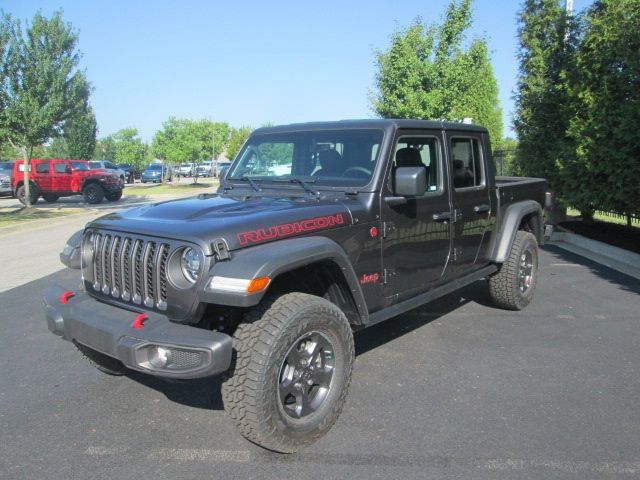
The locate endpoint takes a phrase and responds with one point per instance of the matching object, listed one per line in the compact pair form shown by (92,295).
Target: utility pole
(568,5)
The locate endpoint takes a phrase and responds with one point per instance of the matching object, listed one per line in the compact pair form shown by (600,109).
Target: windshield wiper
(252,182)
(302,183)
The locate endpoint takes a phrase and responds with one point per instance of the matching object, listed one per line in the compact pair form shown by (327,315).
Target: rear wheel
(114,196)
(102,362)
(93,193)
(50,197)
(33,194)
(514,284)
(291,372)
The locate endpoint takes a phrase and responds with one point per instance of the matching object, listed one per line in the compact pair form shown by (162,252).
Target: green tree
(105,149)
(505,158)
(80,135)
(129,148)
(426,73)
(57,148)
(184,140)
(548,39)
(237,137)
(44,87)
(604,172)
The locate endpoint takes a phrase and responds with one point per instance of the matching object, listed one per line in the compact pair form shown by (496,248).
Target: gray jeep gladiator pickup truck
(317,230)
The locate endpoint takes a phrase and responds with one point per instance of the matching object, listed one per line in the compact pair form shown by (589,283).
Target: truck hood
(241,221)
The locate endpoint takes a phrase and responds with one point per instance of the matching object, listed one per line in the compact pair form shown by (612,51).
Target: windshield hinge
(386,274)
(221,249)
(387,228)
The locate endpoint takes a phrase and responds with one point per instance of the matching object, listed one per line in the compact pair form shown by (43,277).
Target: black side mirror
(409,181)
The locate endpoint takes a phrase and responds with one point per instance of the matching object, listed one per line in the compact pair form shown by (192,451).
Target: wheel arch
(90,181)
(525,215)
(315,265)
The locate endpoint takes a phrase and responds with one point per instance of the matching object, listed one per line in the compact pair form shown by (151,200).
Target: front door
(471,202)
(61,177)
(416,234)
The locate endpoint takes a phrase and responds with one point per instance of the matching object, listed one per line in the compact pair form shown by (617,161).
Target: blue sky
(252,62)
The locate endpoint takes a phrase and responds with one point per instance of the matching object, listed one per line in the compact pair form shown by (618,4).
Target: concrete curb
(613,257)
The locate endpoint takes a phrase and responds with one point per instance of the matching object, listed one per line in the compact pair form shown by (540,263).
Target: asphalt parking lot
(456,389)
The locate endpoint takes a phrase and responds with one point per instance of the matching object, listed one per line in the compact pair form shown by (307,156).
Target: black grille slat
(137,271)
(148,260)
(163,256)
(131,269)
(97,264)
(114,258)
(125,263)
(106,264)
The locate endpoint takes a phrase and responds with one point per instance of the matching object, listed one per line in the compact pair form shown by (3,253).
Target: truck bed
(514,189)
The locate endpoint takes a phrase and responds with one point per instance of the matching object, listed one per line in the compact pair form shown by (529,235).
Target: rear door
(470,196)
(416,234)
(61,177)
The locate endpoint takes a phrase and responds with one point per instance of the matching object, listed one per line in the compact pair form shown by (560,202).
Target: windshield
(333,158)
(154,166)
(6,166)
(95,164)
(80,165)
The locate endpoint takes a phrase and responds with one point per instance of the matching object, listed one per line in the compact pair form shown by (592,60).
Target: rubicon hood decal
(288,229)
(240,222)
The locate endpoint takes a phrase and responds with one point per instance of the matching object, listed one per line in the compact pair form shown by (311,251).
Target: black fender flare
(276,258)
(509,224)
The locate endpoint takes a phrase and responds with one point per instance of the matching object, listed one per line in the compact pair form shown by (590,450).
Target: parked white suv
(186,169)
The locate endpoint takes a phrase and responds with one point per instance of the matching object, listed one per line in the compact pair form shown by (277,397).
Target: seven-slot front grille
(131,269)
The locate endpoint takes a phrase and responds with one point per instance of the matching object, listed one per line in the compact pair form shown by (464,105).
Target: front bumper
(110,330)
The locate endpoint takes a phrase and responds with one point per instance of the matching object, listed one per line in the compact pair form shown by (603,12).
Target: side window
(42,167)
(110,165)
(420,152)
(466,162)
(59,167)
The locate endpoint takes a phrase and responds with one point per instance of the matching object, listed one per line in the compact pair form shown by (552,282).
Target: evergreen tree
(80,135)
(543,102)
(606,89)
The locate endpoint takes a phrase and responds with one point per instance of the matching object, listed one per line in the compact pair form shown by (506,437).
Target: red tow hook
(64,298)
(138,322)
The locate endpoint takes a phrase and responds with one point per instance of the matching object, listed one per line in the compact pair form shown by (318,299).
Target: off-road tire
(102,362)
(250,389)
(50,197)
(505,287)
(114,196)
(33,193)
(93,193)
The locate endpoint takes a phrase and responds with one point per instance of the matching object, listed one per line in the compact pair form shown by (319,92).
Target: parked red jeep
(57,178)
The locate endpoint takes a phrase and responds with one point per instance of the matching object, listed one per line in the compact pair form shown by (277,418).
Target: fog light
(159,357)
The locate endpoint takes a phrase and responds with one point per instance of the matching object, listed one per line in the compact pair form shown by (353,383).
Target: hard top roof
(380,123)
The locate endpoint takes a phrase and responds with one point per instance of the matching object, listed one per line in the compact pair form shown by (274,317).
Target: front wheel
(293,357)
(93,194)
(514,284)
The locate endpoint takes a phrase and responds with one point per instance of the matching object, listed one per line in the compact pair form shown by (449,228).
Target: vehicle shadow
(206,394)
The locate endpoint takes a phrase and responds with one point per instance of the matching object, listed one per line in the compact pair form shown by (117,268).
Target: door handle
(481,208)
(442,216)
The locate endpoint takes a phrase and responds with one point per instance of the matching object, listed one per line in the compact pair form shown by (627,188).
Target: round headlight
(191,262)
